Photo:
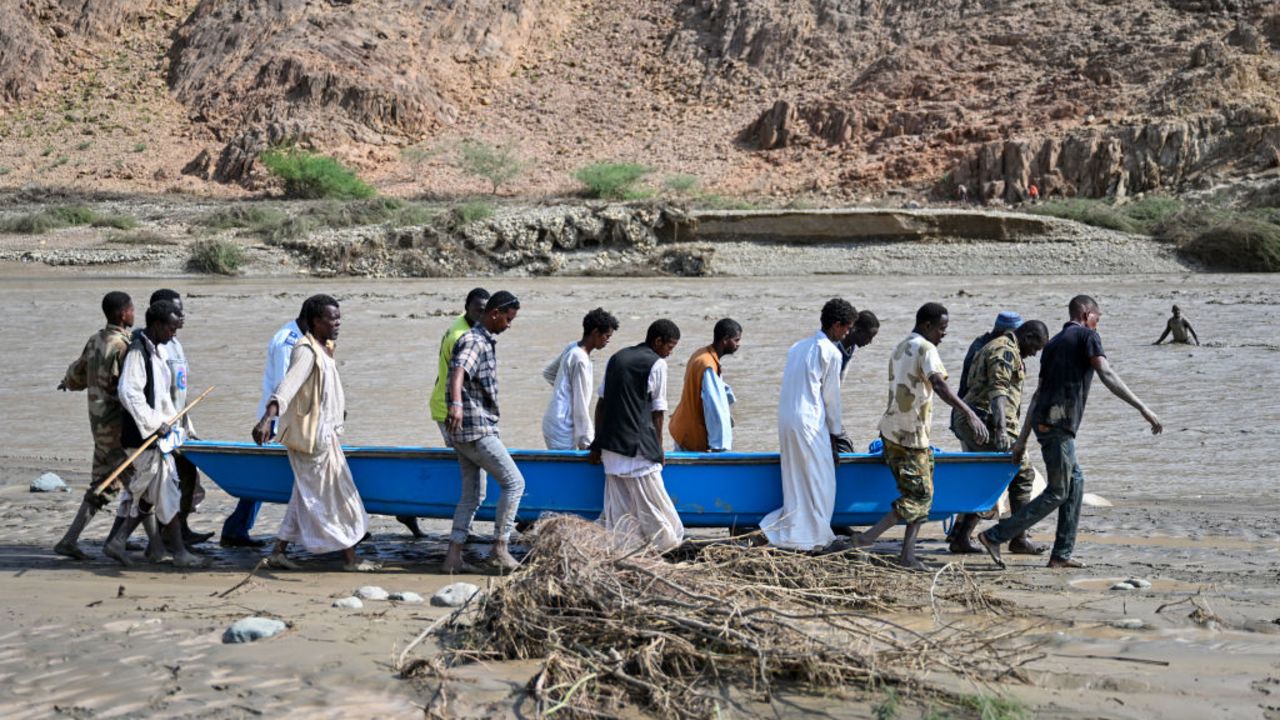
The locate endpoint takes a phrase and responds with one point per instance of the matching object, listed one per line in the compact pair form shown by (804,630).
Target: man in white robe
(809,422)
(567,424)
(153,498)
(325,512)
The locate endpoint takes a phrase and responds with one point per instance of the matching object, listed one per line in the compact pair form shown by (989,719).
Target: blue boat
(709,489)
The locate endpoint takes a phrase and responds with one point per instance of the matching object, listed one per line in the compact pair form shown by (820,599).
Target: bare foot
(860,540)
(187,560)
(115,551)
(71,550)
(912,564)
(157,554)
(503,558)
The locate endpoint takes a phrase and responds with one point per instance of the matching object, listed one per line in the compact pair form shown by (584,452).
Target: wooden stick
(1118,658)
(102,486)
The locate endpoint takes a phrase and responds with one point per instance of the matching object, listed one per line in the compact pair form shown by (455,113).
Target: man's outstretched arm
(1163,335)
(1117,387)
(1193,333)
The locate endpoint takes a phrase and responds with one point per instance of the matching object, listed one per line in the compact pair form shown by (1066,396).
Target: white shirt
(567,423)
(131,390)
(176,358)
(910,408)
(809,400)
(279,351)
(621,465)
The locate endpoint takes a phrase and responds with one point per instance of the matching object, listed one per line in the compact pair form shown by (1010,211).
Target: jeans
(487,453)
(1064,493)
(240,522)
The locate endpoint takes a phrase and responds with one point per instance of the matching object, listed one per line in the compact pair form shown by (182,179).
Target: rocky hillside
(834,99)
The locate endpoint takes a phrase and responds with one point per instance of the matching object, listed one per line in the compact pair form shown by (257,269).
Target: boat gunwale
(394,452)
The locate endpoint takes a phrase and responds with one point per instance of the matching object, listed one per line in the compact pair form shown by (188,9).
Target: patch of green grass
(46,152)
(1238,243)
(141,237)
(496,163)
(989,707)
(471,212)
(5,171)
(1152,210)
(84,145)
(215,256)
(54,218)
(311,176)
(609,180)
(240,216)
(889,707)
(1090,212)
(73,214)
(718,202)
(119,222)
(59,162)
(140,147)
(680,183)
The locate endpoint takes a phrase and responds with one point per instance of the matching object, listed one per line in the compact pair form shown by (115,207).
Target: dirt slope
(833,98)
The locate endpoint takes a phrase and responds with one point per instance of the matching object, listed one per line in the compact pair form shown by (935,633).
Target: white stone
(252,628)
(1139,583)
(411,598)
(1124,586)
(1128,623)
(349,603)
(455,595)
(49,482)
(371,592)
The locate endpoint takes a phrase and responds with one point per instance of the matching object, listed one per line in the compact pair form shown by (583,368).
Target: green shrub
(46,152)
(5,171)
(611,181)
(140,147)
(119,222)
(988,707)
(497,164)
(719,202)
(1090,212)
(310,176)
(84,146)
(141,237)
(1240,243)
(59,162)
(214,256)
(241,216)
(31,224)
(1152,210)
(474,211)
(681,183)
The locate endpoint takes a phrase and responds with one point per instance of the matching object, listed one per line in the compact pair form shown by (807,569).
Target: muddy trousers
(1064,493)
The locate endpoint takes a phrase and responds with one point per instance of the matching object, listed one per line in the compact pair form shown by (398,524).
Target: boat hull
(708,489)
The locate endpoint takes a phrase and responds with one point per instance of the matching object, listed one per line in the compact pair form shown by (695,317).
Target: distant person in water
(1181,329)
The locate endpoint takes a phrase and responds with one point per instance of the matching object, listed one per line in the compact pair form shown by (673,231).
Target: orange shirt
(688,424)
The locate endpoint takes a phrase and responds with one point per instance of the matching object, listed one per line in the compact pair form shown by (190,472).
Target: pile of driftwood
(618,629)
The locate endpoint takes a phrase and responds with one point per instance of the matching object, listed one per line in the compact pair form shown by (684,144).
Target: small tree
(612,181)
(497,164)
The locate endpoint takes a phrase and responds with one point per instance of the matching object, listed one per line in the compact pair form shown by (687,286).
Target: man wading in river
(1057,409)
(97,370)
(1180,327)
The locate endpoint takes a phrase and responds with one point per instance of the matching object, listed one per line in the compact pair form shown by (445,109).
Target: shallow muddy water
(1222,419)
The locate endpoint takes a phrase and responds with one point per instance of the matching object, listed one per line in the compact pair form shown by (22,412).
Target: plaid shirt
(476,353)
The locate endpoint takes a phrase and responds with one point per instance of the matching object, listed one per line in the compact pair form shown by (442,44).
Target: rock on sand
(371,592)
(454,595)
(412,598)
(48,482)
(252,628)
(1128,623)
(349,603)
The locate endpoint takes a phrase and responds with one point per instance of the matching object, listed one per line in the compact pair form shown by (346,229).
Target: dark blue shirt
(1066,370)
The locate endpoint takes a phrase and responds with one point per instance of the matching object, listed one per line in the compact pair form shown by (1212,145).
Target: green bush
(987,707)
(311,176)
(240,217)
(474,211)
(611,181)
(54,218)
(1090,212)
(140,147)
(119,222)
(84,145)
(497,164)
(1239,243)
(214,256)
(1152,210)
(5,171)
(680,183)
(141,237)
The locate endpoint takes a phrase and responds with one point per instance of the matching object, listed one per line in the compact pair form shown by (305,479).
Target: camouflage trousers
(1021,487)
(107,456)
(912,468)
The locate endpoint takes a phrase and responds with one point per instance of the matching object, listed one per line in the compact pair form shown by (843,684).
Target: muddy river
(1221,416)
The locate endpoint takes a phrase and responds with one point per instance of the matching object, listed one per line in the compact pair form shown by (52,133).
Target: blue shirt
(278,352)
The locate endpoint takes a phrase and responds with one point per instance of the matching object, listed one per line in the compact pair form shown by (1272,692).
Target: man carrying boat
(629,415)
(916,374)
(809,425)
(325,513)
(567,423)
(865,329)
(701,422)
(473,432)
(995,394)
(97,370)
(154,497)
(1067,367)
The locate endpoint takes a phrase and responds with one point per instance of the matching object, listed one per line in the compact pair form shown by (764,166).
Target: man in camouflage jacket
(97,371)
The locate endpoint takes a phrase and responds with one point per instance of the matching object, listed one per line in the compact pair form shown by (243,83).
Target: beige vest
(301,422)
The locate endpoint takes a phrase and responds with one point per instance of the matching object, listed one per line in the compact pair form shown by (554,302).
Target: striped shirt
(476,353)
